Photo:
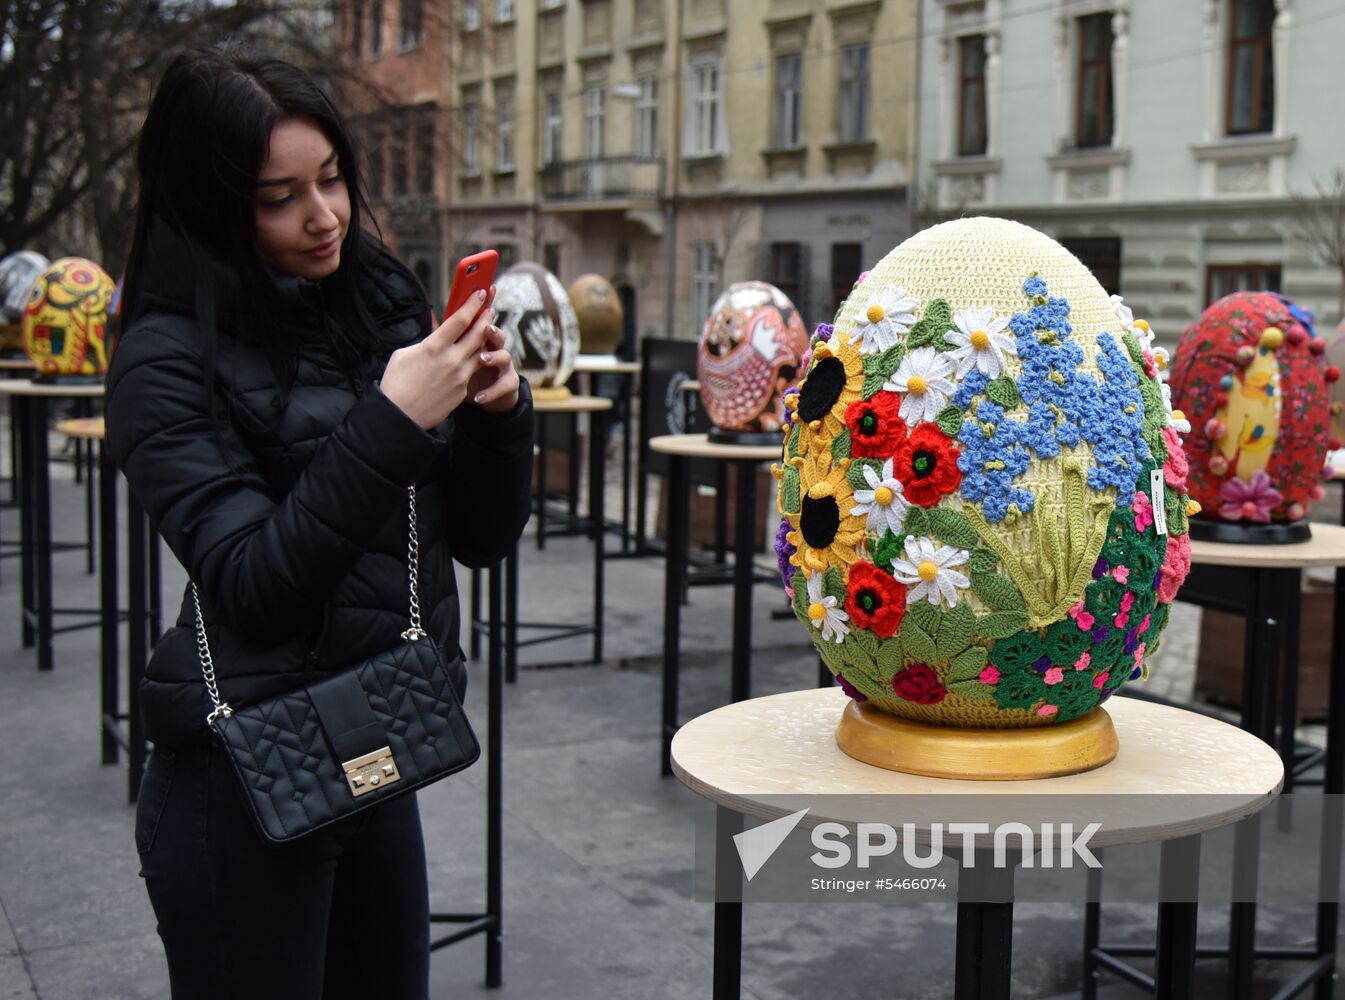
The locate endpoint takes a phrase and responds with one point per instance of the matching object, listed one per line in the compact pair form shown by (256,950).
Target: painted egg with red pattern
(65,319)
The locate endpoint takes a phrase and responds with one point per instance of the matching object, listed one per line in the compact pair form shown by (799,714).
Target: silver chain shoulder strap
(221,708)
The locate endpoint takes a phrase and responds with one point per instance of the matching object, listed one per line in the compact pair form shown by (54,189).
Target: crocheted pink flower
(1144,511)
(1054,676)
(1127,601)
(1101,679)
(1121,574)
(1248,501)
(990,675)
(1084,660)
(1176,565)
(1084,620)
(1175,468)
(1048,710)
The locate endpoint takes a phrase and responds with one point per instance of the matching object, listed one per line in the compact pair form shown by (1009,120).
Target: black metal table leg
(984,949)
(511,616)
(1333,785)
(41,535)
(744,553)
(1092,931)
(495,792)
(1179,884)
(541,479)
(572,472)
(27,553)
(626,418)
(109,610)
(473,630)
(728,933)
(137,647)
(674,580)
(597,504)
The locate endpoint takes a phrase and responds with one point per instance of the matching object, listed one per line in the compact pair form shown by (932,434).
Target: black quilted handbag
(307,758)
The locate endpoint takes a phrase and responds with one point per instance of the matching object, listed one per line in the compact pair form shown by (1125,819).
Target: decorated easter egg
(1251,376)
(1334,352)
(982,490)
(65,319)
(539,324)
(598,309)
(749,354)
(18,271)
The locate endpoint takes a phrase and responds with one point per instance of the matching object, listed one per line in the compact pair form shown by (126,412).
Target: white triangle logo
(755,846)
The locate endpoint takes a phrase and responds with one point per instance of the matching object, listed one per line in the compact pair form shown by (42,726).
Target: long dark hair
(201,151)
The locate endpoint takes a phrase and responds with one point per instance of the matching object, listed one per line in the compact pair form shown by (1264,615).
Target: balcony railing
(612,178)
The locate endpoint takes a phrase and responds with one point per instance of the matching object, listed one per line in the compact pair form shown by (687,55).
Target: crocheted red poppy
(918,684)
(926,464)
(875,427)
(874,600)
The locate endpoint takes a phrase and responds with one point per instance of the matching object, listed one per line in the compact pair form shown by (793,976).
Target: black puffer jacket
(301,555)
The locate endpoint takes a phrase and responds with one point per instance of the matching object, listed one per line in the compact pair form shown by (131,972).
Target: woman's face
(303,206)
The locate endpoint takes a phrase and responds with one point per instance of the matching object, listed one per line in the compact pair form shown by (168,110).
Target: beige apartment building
(674,146)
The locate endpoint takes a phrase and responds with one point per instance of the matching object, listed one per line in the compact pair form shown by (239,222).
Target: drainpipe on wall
(674,165)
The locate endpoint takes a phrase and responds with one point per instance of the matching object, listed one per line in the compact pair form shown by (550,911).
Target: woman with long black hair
(277,390)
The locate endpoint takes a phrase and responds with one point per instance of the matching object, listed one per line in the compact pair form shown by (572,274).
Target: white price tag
(1158,501)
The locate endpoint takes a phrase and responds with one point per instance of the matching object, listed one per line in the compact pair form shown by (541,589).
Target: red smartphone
(474,274)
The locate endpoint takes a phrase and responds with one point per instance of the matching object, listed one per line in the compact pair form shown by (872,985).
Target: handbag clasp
(371,771)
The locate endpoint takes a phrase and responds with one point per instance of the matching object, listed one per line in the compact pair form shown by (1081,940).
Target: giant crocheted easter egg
(599,312)
(983,496)
(539,324)
(65,319)
(1251,377)
(749,354)
(18,271)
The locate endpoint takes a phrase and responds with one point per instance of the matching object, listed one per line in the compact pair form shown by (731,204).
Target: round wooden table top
(690,385)
(572,404)
(89,428)
(1177,773)
(27,387)
(17,365)
(700,446)
(1325,548)
(605,364)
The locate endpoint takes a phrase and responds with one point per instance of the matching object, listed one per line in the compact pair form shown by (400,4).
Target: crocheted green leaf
(831,654)
(833,584)
(889,657)
(856,657)
(799,583)
(983,560)
(792,442)
(951,527)
(950,420)
(968,664)
(925,615)
(916,522)
(1019,689)
(1003,391)
(955,631)
(997,592)
(789,490)
(1133,349)
(840,445)
(1176,510)
(866,640)
(1000,624)
(937,321)
(855,474)
(883,550)
(973,689)
(886,362)
(873,384)
(917,642)
(1065,641)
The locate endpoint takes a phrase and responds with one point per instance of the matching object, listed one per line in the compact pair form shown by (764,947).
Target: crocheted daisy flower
(923,378)
(883,503)
(980,342)
(1123,312)
(824,612)
(886,316)
(931,571)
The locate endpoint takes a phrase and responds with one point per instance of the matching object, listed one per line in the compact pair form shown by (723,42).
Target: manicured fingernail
(481,295)
(480,397)
(485,357)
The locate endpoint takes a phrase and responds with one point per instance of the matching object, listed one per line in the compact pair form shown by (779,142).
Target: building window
(375,28)
(552,4)
(398,166)
(374,155)
(707,108)
(846,263)
(595,121)
(551,258)
(413,21)
(1102,256)
(646,117)
(425,158)
(471,140)
(471,15)
(854,94)
(1225,279)
(1251,67)
(504,12)
(508,256)
(357,27)
(1093,95)
(704,283)
(786,271)
(971,96)
(788,108)
(551,123)
(504,130)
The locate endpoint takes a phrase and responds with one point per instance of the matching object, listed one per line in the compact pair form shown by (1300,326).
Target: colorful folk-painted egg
(539,324)
(599,311)
(18,271)
(749,354)
(1251,376)
(65,319)
(983,493)
(1334,352)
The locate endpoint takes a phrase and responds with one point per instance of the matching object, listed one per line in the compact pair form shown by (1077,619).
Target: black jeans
(339,914)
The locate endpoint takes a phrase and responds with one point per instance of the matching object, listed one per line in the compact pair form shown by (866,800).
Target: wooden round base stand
(550,392)
(884,740)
